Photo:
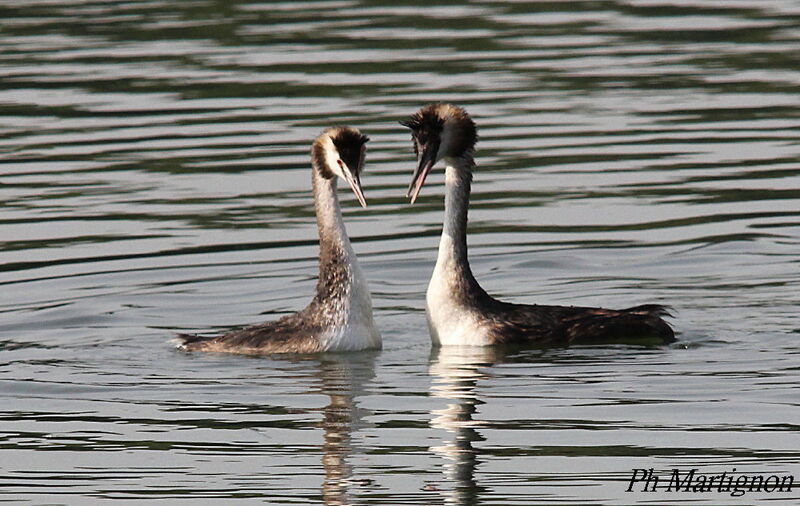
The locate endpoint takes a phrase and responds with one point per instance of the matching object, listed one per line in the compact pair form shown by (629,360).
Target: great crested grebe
(459,311)
(339,318)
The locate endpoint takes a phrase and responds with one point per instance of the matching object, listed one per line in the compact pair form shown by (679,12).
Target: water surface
(154,177)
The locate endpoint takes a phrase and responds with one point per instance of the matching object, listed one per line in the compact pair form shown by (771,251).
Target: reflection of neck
(337,422)
(457,373)
(343,379)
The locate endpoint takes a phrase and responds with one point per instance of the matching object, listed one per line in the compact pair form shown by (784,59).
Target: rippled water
(154,177)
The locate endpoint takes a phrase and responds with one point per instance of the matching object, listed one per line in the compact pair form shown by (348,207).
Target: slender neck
(336,255)
(453,244)
(329,215)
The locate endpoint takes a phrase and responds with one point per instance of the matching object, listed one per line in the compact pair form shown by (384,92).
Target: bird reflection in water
(456,371)
(343,378)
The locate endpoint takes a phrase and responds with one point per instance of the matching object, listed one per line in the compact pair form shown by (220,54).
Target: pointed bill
(425,161)
(353,179)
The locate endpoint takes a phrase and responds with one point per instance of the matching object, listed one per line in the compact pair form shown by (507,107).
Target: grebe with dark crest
(459,311)
(339,317)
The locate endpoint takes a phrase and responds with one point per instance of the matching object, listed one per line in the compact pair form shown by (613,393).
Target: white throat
(450,320)
(354,328)
(456,201)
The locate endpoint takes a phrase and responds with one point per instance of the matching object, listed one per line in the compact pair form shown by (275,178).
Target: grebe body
(339,317)
(459,310)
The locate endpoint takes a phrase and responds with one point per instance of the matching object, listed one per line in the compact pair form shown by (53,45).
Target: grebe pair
(459,311)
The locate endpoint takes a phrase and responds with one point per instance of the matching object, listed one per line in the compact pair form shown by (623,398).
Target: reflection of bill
(456,372)
(343,378)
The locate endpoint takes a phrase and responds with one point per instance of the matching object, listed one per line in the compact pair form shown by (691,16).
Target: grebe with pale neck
(459,311)
(339,317)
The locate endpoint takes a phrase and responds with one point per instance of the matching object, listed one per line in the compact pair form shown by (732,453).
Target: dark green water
(154,176)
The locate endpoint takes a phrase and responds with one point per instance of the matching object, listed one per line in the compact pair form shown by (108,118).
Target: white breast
(450,323)
(356,330)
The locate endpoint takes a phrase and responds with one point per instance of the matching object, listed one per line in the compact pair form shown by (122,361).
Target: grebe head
(339,151)
(438,131)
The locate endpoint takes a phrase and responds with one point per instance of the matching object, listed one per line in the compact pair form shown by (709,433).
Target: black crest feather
(428,123)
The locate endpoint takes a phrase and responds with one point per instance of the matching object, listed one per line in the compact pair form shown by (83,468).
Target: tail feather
(185,341)
(637,322)
(651,309)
